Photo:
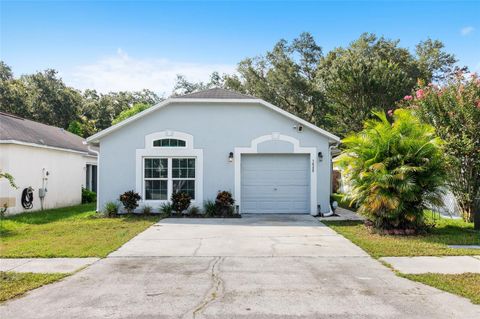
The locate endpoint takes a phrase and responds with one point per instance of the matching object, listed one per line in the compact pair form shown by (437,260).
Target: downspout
(330,157)
(98,175)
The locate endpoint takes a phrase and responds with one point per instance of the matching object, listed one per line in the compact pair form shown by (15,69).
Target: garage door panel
(275,183)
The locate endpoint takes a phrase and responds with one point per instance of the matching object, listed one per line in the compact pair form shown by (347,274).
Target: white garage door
(275,183)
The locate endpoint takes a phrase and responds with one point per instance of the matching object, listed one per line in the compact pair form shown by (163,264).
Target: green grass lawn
(74,231)
(466,285)
(446,232)
(13,284)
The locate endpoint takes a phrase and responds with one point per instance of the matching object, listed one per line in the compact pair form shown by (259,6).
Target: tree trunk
(476,214)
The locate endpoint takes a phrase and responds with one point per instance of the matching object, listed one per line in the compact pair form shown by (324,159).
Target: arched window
(169,142)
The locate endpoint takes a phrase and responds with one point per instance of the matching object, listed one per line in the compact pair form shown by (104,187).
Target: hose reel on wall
(27,198)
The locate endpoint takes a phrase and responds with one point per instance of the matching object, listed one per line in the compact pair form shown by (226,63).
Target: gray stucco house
(215,140)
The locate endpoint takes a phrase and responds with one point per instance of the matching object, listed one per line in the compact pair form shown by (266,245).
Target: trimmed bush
(130,200)
(88,196)
(180,201)
(224,204)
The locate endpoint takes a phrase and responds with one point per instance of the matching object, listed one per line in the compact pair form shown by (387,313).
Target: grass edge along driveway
(466,285)
(447,232)
(14,284)
(76,231)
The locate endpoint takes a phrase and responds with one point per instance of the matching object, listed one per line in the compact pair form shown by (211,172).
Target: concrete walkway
(440,265)
(45,265)
(253,267)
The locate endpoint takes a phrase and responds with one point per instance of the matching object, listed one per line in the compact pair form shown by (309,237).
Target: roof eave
(95,139)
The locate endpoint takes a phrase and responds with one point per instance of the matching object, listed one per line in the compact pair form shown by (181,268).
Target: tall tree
(372,74)
(284,76)
(434,63)
(183,86)
(454,110)
(125,114)
(13,93)
(49,100)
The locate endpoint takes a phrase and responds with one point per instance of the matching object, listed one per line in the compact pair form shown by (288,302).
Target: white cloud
(466,30)
(122,72)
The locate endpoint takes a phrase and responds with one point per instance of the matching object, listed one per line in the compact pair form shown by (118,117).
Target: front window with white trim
(166,175)
(156,178)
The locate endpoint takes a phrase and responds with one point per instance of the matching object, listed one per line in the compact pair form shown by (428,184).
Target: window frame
(147,150)
(185,178)
(170,139)
(144,196)
(169,177)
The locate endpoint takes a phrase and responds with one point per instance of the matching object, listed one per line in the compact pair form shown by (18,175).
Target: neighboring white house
(48,159)
(215,140)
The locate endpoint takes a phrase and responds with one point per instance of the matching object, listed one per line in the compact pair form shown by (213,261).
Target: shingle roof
(18,129)
(216,93)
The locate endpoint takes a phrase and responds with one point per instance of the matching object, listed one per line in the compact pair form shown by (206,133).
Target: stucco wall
(25,163)
(217,129)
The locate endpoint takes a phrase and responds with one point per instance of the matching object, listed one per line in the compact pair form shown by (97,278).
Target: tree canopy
(44,97)
(337,91)
(340,90)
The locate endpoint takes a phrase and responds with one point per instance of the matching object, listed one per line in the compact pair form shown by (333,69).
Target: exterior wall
(217,129)
(66,175)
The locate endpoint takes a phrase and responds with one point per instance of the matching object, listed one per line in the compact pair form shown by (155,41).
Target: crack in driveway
(215,292)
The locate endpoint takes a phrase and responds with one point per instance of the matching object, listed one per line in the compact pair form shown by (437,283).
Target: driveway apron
(259,266)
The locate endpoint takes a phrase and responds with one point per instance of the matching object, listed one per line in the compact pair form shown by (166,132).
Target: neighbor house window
(169,142)
(91,177)
(166,175)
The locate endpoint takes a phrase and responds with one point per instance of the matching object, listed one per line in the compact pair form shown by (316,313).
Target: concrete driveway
(254,267)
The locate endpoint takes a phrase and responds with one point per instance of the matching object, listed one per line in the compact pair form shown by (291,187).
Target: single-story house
(47,162)
(218,140)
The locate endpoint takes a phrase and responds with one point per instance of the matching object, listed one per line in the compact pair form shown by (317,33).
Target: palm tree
(396,170)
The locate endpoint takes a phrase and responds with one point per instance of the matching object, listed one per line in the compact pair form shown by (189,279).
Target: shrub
(111,209)
(209,208)
(180,201)
(224,204)
(130,200)
(166,209)
(395,170)
(88,196)
(147,210)
(193,211)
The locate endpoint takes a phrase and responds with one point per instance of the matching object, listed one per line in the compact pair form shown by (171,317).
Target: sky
(131,45)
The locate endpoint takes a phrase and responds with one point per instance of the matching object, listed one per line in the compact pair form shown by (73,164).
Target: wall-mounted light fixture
(320,156)
(230,157)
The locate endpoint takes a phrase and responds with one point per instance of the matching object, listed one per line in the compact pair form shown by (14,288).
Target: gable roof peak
(215,93)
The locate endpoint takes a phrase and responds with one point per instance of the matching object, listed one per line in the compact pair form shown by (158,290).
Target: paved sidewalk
(440,265)
(45,265)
